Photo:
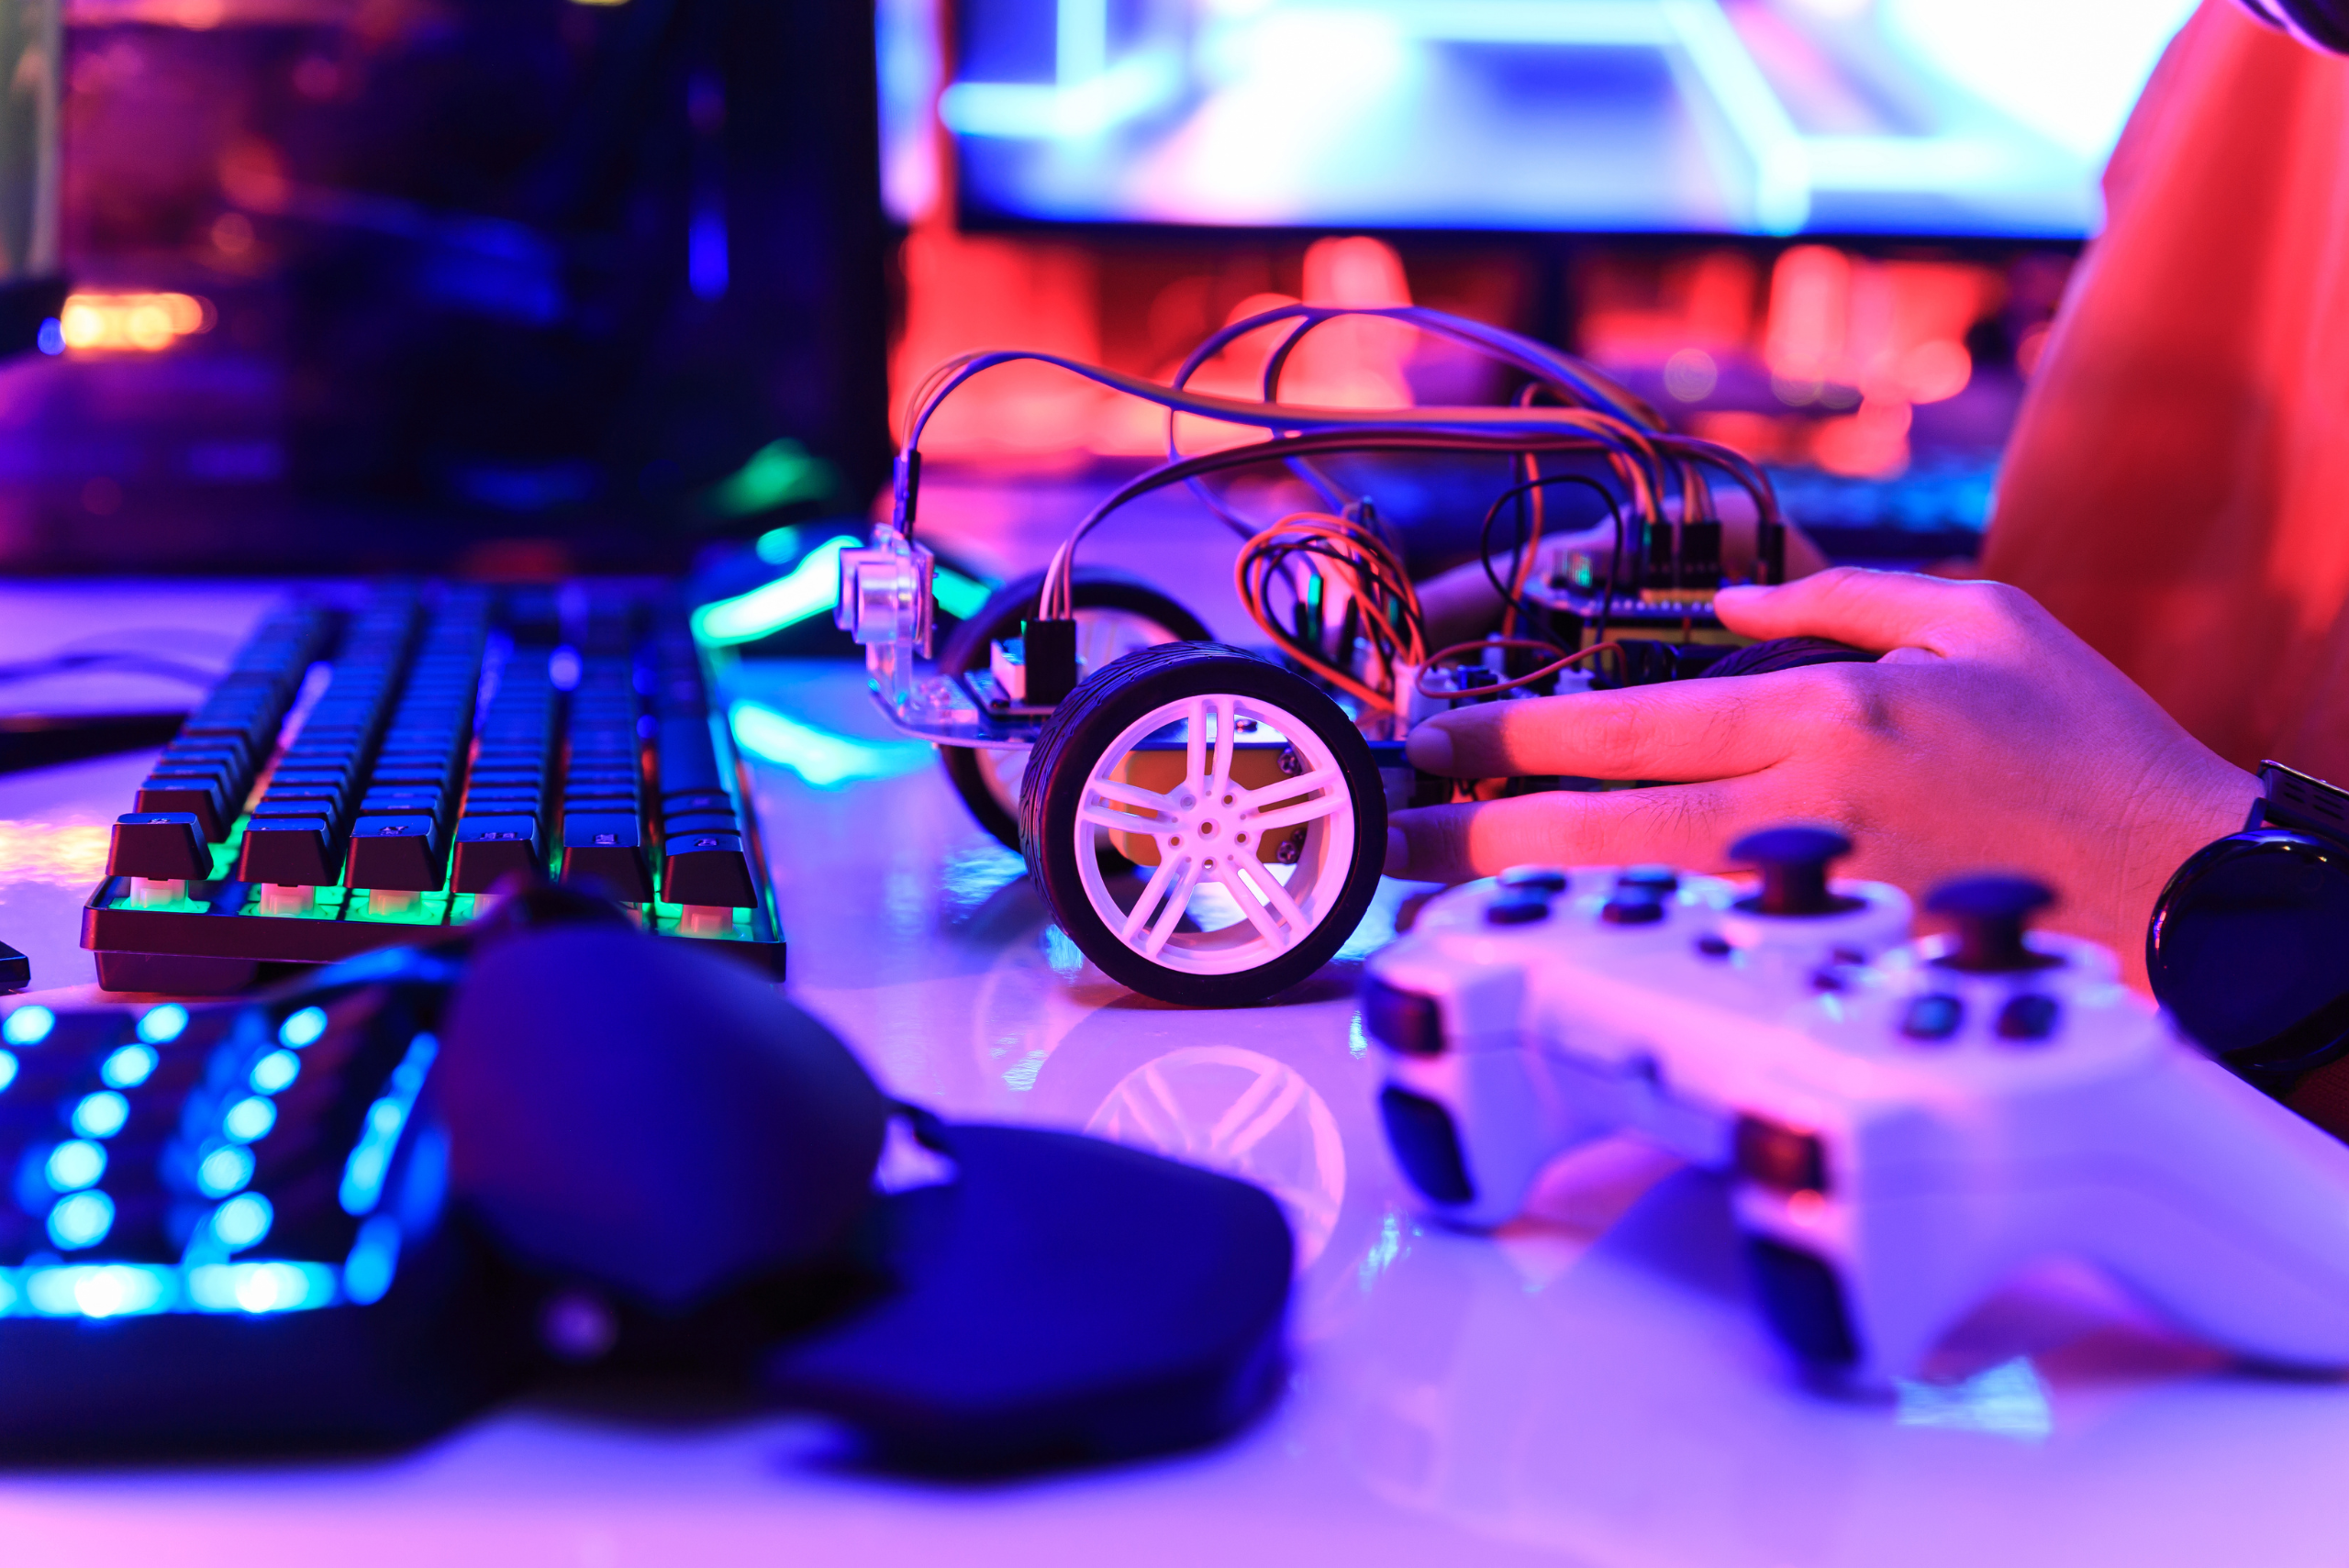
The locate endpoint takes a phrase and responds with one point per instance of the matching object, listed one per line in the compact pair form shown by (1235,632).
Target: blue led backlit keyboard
(367,769)
(184,1179)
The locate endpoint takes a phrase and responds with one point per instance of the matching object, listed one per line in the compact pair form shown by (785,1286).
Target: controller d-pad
(2030,1018)
(1932,1019)
(1539,879)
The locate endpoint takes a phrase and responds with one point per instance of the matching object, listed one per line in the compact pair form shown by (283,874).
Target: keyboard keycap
(395,855)
(491,847)
(162,846)
(708,868)
(606,848)
(293,850)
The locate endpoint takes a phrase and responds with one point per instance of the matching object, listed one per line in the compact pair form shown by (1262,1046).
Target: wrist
(2170,825)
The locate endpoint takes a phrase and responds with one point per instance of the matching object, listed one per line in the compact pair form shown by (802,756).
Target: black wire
(1393,617)
(1484,544)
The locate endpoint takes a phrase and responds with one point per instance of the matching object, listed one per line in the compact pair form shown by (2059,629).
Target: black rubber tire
(966,647)
(1092,717)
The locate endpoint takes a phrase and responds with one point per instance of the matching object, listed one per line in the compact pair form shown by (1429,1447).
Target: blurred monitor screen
(1949,118)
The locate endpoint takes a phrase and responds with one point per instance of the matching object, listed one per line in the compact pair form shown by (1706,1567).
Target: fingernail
(1740,591)
(1429,748)
(1398,851)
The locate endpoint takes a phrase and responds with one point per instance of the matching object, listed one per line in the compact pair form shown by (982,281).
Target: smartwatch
(2249,947)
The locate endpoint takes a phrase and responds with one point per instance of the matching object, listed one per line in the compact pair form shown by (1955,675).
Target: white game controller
(1906,1126)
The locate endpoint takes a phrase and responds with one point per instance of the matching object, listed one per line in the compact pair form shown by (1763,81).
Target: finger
(1681,825)
(1695,730)
(1876,610)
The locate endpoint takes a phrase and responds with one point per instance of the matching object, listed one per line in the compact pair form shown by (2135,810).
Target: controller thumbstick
(1991,913)
(1793,863)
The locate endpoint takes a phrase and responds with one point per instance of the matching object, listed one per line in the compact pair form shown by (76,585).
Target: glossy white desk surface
(1589,1386)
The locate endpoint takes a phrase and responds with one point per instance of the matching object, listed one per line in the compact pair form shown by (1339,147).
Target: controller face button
(1713,945)
(1426,1145)
(1803,1300)
(1518,906)
(1405,1021)
(1778,1157)
(1541,879)
(1657,881)
(1632,908)
(2030,1018)
(1932,1019)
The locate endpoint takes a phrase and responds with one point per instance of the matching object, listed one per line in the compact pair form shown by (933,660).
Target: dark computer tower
(512,286)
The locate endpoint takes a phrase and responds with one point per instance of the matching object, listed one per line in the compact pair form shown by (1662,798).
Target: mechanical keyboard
(239,1181)
(368,768)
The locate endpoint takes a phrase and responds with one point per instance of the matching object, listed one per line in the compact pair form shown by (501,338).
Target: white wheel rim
(1207,818)
(1103,635)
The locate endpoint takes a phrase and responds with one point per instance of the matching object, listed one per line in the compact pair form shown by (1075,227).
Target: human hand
(1986,737)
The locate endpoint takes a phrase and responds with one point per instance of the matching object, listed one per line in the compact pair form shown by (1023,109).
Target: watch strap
(2295,801)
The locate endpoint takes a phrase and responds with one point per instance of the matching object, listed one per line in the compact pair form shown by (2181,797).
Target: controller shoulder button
(1781,1158)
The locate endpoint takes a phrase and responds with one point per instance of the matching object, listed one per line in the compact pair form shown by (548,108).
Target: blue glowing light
(424,1183)
(99,1290)
(705,268)
(274,1072)
(375,1258)
(49,338)
(823,758)
(80,1219)
(303,1027)
(807,590)
(777,545)
(370,1157)
(260,1287)
(28,1026)
(242,1220)
(223,1170)
(73,1165)
(101,1115)
(249,1119)
(161,1025)
(7,1068)
(127,1066)
(562,668)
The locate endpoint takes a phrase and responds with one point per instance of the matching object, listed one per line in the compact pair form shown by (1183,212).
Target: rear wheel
(1247,803)
(1115,616)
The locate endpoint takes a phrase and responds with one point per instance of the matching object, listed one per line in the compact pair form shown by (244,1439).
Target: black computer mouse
(1786,653)
(649,1116)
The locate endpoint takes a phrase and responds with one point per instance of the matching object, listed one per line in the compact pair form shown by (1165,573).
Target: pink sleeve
(2177,486)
